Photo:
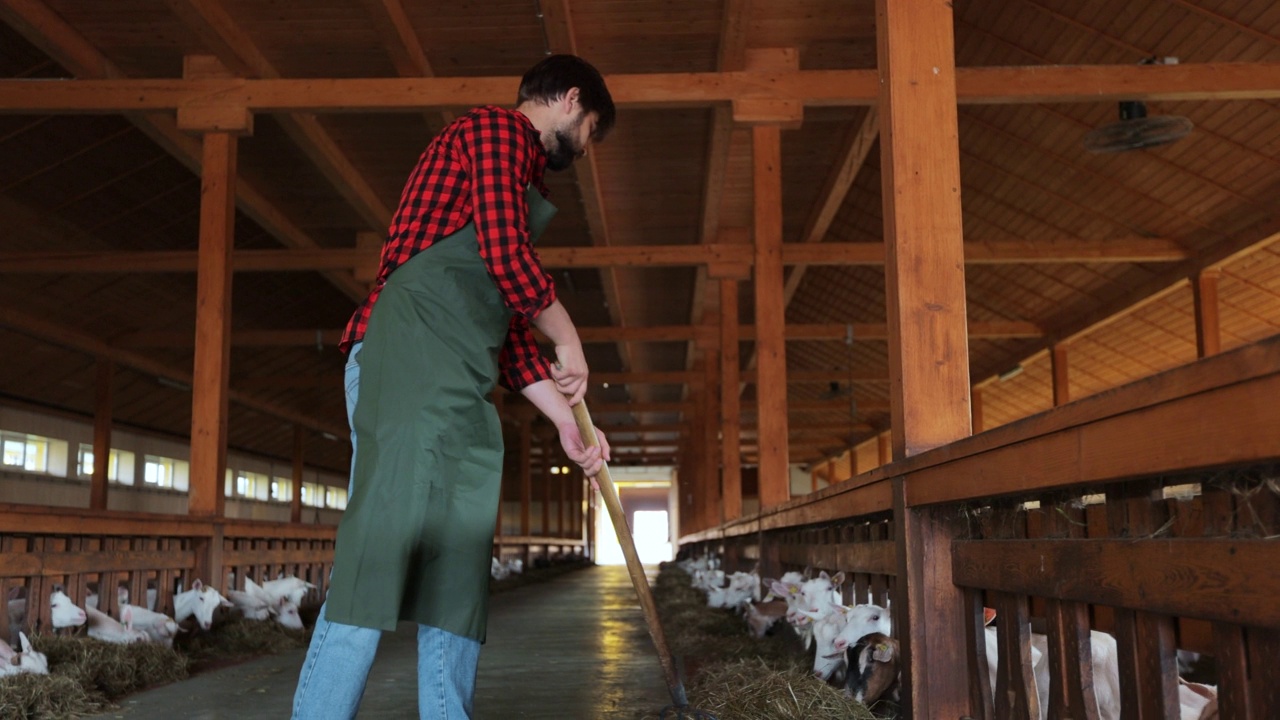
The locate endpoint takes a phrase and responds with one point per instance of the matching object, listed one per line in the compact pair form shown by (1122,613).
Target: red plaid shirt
(477,169)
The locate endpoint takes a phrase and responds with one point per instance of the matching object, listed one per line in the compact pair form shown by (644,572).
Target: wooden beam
(771,395)
(362,259)
(730,403)
(557,20)
(818,88)
(401,40)
(857,145)
(1243,242)
(1061,375)
(206,497)
(49,32)
(1204,288)
(78,341)
(1180,577)
(608,334)
(98,484)
(299,456)
(526,474)
(215,27)
(928,345)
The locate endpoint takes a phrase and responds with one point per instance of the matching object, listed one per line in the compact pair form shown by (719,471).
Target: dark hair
(550,79)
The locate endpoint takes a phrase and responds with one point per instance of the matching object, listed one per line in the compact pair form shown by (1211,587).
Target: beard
(566,148)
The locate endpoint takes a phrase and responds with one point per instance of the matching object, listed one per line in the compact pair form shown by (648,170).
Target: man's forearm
(547,398)
(554,322)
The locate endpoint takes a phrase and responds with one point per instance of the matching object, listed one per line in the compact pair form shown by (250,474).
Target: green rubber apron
(416,539)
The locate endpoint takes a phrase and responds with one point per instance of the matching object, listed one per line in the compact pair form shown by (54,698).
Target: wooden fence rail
(83,552)
(1150,512)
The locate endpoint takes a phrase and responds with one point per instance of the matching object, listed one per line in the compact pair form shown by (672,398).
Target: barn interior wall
(61,487)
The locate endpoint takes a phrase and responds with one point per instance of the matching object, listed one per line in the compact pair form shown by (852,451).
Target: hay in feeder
(45,696)
(756,690)
(237,638)
(110,669)
(86,675)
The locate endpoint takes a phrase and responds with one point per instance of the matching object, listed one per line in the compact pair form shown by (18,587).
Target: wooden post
(884,448)
(976,402)
(928,341)
(101,435)
(1208,335)
(1061,386)
(295,501)
(711,441)
(771,358)
(545,528)
(562,489)
(590,518)
(730,407)
(213,326)
(526,476)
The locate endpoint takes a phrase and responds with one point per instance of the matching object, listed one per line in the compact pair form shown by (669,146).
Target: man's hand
(570,372)
(590,459)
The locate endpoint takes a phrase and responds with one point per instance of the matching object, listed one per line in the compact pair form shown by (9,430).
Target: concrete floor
(572,648)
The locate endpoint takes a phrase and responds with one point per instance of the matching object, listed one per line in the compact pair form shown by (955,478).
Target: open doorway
(651,530)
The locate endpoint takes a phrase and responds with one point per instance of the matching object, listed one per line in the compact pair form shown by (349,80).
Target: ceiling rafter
(1076,121)
(1123,303)
(79,341)
(407,54)
(230,44)
(558,22)
(49,32)
(731,55)
(977,252)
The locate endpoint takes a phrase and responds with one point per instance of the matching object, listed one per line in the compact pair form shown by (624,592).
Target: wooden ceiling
(1093,252)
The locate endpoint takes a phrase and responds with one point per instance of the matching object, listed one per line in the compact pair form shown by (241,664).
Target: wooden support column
(771,357)
(767,118)
(562,489)
(589,520)
(1208,334)
(526,472)
(975,402)
(711,442)
(299,448)
(545,527)
(928,341)
(730,405)
(1061,375)
(101,434)
(213,328)
(884,447)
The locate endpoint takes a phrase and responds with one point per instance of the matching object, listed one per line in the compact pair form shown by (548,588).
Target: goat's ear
(26,642)
(838,579)
(883,653)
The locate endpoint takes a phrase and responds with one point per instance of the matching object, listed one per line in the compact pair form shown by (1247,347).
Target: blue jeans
(337,666)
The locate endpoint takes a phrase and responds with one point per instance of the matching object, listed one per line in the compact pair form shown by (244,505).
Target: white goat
(27,661)
(104,627)
(199,602)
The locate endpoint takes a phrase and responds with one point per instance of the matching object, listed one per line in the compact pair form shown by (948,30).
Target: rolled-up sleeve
(520,363)
(502,160)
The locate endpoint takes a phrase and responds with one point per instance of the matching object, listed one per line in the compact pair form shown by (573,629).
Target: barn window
(312,495)
(281,489)
(29,452)
(165,472)
(335,498)
(252,485)
(117,460)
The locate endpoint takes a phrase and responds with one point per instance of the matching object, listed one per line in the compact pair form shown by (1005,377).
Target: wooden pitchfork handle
(587,429)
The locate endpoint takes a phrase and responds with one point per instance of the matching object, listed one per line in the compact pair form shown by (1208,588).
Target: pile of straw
(86,675)
(735,676)
(236,638)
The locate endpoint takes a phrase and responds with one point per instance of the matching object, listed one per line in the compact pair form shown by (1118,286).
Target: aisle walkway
(572,648)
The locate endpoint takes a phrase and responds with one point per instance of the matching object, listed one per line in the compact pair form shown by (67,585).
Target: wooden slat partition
(1151,511)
